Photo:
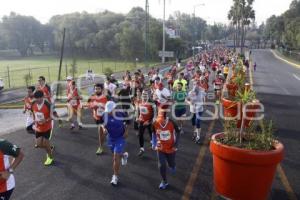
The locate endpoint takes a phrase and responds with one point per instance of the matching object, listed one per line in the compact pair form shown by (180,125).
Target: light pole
(164,34)
(194,29)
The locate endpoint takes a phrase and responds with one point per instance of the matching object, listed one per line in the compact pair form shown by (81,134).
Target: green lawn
(48,67)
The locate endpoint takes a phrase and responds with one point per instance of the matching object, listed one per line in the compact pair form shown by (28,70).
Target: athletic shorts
(216,90)
(180,112)
(116,146)
(45,135)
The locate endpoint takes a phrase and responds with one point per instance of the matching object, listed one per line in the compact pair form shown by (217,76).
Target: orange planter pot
(242,174)
(230,108)
(232,89)
(249,115)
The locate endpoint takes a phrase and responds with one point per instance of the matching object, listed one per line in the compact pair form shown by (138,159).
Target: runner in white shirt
(109,86)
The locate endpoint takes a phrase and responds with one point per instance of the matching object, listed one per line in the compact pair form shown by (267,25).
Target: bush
(27,78)
(108,71)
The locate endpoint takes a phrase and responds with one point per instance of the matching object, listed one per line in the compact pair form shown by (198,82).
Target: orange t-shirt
(46,90)
(28,103)
(145,112)
(40,113)
(74,98)
(97,104)
(165,136)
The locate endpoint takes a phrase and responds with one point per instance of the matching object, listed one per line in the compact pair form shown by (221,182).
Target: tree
(241,14)
(20,32)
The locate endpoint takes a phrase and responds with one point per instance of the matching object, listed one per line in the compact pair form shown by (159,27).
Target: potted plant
(245,159)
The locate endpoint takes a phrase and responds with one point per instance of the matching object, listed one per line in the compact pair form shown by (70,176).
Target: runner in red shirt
(145,114)
(169,77)
(74,105)
(41,110)
(218,85)
(165,140)
(10,157)
(97,102)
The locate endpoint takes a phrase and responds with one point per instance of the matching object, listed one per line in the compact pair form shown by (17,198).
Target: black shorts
(45,135)
(216,90)
(99,121)
(6,195)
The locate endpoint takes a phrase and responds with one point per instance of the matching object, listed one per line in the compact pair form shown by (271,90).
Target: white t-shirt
(196,101)
(110,87)
(202,68)
(160,93)
(156,75)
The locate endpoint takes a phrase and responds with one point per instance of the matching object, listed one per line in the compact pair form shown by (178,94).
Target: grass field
(13,71)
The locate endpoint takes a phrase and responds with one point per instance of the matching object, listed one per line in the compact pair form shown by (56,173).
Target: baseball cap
(110,106)
(69,78)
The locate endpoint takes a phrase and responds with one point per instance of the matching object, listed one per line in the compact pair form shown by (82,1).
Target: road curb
(284,60)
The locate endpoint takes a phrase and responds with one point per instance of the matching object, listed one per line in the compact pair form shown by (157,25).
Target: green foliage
(285,29)
(259,138)
(28,79)
(108,71)
(73,70)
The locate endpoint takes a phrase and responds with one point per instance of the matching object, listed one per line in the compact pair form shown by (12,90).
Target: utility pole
(164,34)
(146,32)
(61,59)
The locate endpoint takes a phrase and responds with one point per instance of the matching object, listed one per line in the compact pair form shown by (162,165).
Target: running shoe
(163,185)
(197,140)
(60,123)
(141,152)
(114,180)
(72,126)
(99,151)
(124,158)
(49,161)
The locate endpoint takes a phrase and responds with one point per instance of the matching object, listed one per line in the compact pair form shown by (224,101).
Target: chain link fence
(17,78)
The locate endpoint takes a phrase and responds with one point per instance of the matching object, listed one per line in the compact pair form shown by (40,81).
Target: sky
(213,11)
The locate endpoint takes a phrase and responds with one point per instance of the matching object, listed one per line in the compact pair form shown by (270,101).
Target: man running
(74,105)
(41,110)
(97,102)
(165,140)
(115,126)
(28,100)
(10,157)
(182,81)
(180,109)
(145,115)
(196,99)
(218,85)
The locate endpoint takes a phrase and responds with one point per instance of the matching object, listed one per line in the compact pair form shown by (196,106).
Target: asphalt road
(278,87)
(79,174)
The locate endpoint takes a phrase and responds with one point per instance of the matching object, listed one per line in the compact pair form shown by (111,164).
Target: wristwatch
(11,170)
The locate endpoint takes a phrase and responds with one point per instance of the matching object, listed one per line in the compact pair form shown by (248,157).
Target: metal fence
(15,78)
(294,55)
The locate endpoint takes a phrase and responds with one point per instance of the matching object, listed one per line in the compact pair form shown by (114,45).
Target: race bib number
(73,102)
(165,135)
(143,110)
(39,116)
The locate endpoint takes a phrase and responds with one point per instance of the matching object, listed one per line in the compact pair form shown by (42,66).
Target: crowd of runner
(155,102)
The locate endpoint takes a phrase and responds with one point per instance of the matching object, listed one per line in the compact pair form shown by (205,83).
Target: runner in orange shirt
(97,102)
(41,110)
(165,140)
(145,114)
(74,105)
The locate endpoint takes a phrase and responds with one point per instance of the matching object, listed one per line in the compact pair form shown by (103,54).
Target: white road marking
(297,77)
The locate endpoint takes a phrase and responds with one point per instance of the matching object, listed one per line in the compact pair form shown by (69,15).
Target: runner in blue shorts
(116,129)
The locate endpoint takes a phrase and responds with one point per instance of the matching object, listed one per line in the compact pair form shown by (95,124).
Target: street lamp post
(164,34)
(194,29)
